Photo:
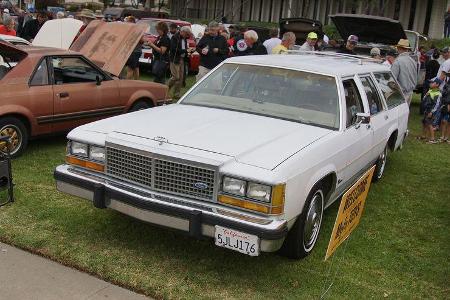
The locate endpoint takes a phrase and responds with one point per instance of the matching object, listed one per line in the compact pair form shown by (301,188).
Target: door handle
(63,95)
(386,117)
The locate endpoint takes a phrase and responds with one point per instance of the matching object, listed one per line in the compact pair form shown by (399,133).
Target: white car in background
(15,40)
(250,156)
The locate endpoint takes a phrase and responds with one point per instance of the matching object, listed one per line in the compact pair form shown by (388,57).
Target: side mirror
(98,80)
(362,118)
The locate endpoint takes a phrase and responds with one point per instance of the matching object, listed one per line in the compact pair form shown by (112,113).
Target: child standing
(430,102)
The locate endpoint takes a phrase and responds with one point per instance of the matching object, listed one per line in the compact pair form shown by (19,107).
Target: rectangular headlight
(79,149)
(259,192)
(234,186)
(97,153)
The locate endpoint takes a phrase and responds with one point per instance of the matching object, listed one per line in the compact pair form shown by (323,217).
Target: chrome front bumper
(195,217)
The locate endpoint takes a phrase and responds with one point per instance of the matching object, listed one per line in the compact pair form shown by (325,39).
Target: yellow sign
(350,211)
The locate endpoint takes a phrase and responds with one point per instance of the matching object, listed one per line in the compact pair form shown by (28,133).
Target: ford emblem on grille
(200,185)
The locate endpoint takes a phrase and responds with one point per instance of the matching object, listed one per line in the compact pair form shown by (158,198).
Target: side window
(40,76)
(390,89)
(352,100)
(73,70)
(375,104)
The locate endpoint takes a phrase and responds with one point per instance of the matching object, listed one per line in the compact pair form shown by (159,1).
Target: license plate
(237,241)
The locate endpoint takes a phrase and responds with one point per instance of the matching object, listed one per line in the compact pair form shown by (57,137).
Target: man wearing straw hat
(404,69)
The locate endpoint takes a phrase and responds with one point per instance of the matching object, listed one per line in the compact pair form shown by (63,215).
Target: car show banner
(350,211)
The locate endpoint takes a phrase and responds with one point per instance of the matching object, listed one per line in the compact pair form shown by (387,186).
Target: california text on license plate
(236,240)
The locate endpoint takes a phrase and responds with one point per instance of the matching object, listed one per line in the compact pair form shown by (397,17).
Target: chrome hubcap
(313,221)
(15,138)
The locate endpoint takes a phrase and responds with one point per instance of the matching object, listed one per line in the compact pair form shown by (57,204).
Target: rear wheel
(380,165)
(139,105)
(18,134)
(303,235)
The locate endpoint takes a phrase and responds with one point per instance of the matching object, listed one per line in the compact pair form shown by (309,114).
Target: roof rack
(358,58)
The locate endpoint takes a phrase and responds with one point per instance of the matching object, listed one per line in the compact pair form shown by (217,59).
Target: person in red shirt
(8,27)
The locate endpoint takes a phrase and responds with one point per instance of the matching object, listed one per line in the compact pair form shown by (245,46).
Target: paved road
(28,276)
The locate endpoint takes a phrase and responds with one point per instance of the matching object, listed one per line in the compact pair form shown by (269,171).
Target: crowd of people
(171,53)
(435,104)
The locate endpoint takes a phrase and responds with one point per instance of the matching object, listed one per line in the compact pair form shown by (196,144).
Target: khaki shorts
(202,71)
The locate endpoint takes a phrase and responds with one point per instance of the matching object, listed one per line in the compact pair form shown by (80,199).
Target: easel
(6,170)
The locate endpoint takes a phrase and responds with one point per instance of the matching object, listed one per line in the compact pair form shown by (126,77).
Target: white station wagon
(250,156)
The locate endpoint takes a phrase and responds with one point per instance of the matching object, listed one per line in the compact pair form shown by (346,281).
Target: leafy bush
(331,31)
(438,43)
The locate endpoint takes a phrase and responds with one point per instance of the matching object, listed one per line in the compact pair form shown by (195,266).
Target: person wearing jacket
(254,46)
(404,69)
(178,54)
(213,49)
(31,27)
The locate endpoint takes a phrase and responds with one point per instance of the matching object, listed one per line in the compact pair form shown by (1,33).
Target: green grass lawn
(401,248)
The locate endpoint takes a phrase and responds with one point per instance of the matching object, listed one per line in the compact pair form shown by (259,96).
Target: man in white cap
(375,53)
(311,41)
(404,69)
(6,15)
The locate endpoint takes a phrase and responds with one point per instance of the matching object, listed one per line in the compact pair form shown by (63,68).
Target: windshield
(152,26)
(280,93)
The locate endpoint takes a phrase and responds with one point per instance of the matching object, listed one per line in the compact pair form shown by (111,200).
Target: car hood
(250,139)
(369,29)
(300,27)
(109,44)
(59,33)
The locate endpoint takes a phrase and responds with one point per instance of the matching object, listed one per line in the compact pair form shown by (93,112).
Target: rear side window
(373,98)
(353,101)
(40,76)
(390,89)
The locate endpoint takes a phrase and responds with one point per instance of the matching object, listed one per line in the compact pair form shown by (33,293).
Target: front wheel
(303,235)
(18,136)
(380,165)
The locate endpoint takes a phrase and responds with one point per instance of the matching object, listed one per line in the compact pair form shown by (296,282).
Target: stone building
(424,16)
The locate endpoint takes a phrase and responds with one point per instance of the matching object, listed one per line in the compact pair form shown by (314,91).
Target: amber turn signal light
(85,164)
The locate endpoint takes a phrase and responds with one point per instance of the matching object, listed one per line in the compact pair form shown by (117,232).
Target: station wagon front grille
(130,166)
(161,173)
(179,178)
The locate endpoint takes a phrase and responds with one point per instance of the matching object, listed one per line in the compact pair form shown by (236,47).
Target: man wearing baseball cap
(431,105)
(375,53)
(349,47)
(391,55)
(311,41)
(404,69)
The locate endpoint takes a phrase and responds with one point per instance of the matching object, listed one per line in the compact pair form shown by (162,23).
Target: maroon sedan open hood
(109,45)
